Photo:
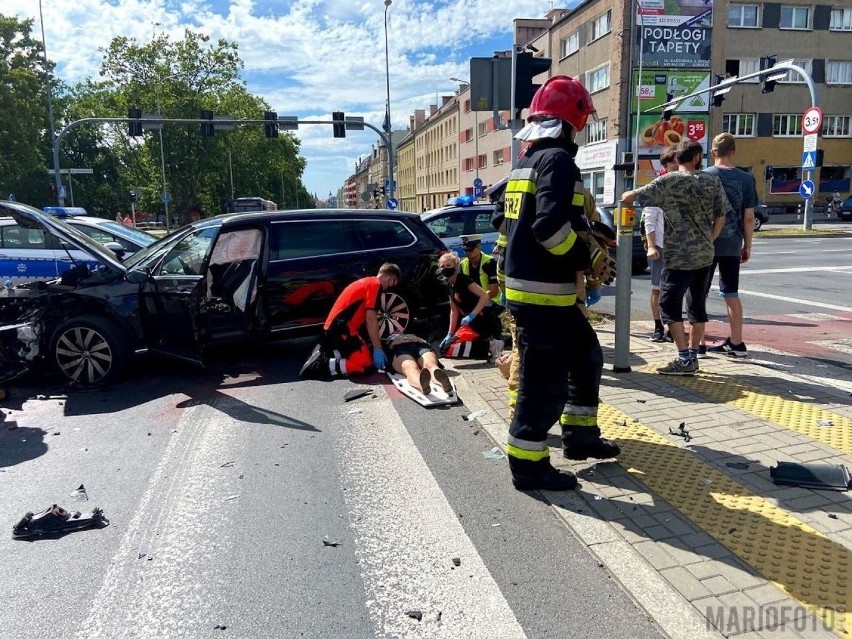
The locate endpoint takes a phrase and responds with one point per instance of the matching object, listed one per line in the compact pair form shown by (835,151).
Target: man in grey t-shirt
(733,246)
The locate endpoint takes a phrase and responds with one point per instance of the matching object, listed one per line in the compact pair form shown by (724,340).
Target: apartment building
(436,155)
(484,147)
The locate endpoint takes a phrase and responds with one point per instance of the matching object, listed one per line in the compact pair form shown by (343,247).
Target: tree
(178,80)
(24,130)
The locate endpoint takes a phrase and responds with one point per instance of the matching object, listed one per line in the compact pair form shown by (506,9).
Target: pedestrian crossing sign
(809,160)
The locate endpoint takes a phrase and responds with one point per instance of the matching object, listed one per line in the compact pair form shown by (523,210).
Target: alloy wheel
(83,354)
(393,314)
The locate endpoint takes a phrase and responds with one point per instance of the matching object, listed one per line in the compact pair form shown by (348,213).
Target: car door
(26,254)
(482,226)
(449,226)
(172,298)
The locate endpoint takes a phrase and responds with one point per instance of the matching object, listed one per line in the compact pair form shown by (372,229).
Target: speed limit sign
(812,120)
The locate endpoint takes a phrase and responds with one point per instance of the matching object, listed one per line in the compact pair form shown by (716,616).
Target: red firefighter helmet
(565,98)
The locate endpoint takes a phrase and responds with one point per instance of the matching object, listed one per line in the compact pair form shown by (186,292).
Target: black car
(236,277)
(639,255)
(761,216)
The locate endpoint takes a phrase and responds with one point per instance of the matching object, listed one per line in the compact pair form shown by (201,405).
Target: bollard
(625,219)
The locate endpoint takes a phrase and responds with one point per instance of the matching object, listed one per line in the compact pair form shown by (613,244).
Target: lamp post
(58,176)
(388,127)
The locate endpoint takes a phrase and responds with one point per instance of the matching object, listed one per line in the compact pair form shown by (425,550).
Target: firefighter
(560,358)
(479,266)
(350,340)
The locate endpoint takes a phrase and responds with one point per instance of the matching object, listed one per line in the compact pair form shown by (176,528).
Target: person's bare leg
(655,303)
(430,362)
(735,318)
(696,335)
(406,365)
(679,335)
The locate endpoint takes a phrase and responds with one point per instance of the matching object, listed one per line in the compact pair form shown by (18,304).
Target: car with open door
(232,278)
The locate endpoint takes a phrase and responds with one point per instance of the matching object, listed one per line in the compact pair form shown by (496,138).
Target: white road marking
(406,535)
(179,526)
(795,269)
(787,298)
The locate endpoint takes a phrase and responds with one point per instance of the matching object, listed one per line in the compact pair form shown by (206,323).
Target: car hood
(32,218)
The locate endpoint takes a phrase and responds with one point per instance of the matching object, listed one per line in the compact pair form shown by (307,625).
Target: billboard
(657,85)
(674,13)
(675,47)
(656,134)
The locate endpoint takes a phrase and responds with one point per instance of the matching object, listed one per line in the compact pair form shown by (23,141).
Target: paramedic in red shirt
(350,341)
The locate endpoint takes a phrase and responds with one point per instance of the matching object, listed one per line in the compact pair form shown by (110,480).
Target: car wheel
(757,223)
(90,350)
(393,313)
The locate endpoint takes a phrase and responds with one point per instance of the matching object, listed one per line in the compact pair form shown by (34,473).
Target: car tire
(757,223)
(393,313)
(90,351)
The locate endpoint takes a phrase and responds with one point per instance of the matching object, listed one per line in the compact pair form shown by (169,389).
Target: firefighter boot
(539,475)
(580,443)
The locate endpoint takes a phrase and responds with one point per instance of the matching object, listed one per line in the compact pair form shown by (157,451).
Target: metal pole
(71,189)
(514,124)
(640,22)
(391,185)
(231,167)
(133,212)
(57,175)
(165,187)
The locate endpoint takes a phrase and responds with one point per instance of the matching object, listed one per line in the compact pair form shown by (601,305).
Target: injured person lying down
(416,372)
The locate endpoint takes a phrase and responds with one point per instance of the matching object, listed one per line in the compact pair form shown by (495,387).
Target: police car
(28,254)
(462,216)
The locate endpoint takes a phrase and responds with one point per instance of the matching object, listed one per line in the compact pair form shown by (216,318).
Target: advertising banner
(656,134)
(675,47)
(657,86)
(675,13)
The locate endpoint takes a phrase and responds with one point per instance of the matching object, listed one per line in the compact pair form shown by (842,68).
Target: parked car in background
(232,278)
(462,216)
(761,216)
(28,254)
(845,212)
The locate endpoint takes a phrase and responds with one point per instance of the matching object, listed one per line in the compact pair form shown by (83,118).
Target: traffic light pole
(725,85)
(353,124)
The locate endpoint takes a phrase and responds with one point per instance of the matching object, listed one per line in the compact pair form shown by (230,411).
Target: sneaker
(425,381)
(730,349)
(657,335)
(316,367)
(599,449)
(677,367)
(444,380)
(702,351)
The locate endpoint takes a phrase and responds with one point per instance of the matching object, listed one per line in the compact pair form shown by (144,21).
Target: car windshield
(134,235)
(157,248)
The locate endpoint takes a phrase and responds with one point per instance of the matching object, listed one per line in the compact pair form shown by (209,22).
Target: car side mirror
(139,276)
(116,248)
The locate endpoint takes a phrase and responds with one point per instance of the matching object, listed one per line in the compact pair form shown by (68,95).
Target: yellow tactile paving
(794,415)
(807,565)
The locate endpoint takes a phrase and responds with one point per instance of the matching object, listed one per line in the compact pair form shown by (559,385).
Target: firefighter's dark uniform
(560,357)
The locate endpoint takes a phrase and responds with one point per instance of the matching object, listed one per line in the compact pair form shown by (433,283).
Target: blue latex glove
(502,299)
(467,319)
(446,342)
(593,296)
(380,360)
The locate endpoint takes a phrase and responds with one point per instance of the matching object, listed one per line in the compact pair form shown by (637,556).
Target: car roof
(454,207)
(308,214)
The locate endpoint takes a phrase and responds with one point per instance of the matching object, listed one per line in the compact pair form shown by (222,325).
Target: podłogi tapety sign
(675,47)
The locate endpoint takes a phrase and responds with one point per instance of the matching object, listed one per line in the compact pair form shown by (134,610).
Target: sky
(304,57)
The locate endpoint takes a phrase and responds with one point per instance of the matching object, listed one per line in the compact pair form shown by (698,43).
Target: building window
(786,125)
(498,158)
(837,126)
(602,25)
(743,66)
(793,77)
(483,161)
(838,72)
(571,44)
(598,79)
(739,124)
(841,20)
(482,129)
(742,16)
(468,164)
(467,106)
(596,131)
(795,18)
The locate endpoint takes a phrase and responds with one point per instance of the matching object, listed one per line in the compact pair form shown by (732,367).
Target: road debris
(494,453)
(80,494)
(355,411)
(332,544)
(474,415)
(356,393)
(415,614)
(681,432)
(825,423)
(56,521)
(457,561)
(737,465)
(230,497)
(228,464)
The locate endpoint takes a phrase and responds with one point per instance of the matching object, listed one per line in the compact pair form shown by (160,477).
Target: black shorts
(673,288)
(729,275)
(414,350)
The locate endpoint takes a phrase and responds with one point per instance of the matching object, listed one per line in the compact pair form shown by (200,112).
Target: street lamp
(388,126)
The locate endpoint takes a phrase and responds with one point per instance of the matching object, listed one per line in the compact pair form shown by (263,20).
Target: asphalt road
(243,497)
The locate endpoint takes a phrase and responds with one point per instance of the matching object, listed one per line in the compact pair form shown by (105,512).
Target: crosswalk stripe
(395,502)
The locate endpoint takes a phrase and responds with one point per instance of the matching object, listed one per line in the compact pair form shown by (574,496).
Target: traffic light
(718,96)
(527,66)
(134,128)
(767,63)
(271,128)
(133,196)
(339,124)
(207,129)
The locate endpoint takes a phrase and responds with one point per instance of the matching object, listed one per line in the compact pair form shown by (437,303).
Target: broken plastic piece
(355,411)
(818,476)
(681,432)
(415,614)
(355,393)
(457,561)
(80,494)
(57,520)
(825,423)
(494,453)
(474,415)
(737,465)
(333,544)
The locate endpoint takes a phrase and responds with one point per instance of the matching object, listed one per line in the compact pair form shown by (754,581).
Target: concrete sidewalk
(695,528)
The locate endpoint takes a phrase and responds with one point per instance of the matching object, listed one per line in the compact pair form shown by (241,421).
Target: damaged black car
(237,277)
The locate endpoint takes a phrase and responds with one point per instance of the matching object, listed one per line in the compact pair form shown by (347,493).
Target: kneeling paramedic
(560,358)
(350,340)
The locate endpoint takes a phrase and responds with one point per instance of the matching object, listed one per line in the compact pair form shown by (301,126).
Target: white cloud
(304,57)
